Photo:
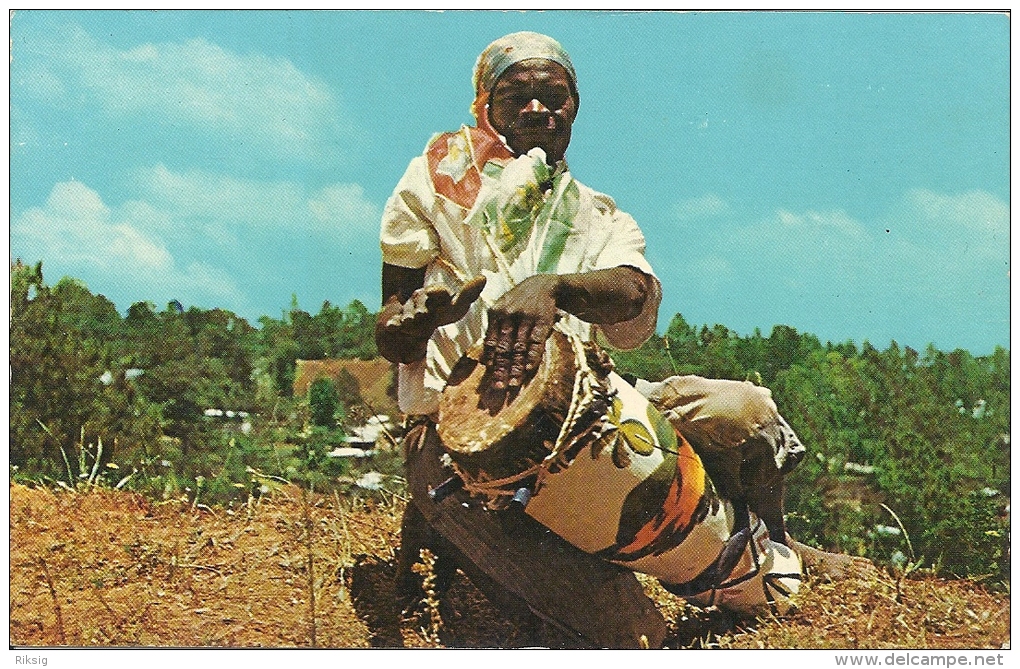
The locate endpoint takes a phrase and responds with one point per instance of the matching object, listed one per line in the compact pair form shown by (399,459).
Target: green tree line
(92,390)
(908,451)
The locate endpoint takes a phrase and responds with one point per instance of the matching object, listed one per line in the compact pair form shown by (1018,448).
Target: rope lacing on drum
(580,400)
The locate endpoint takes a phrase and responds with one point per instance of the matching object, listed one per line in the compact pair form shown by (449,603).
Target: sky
(846,174)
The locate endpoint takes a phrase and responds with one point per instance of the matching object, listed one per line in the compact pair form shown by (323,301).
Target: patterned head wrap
(509,50)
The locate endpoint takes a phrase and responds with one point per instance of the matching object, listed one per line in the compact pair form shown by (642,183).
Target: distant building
(375,379)
(230,415)
(307,372)
(368,434)
(130,374)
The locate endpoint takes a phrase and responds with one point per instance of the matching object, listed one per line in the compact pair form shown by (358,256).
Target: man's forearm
(603,296)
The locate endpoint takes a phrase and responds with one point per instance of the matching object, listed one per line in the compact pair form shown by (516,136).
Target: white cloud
(975,210)
(923,239)
(814,254)
(204,195)
(933,268)
(263,103)
(250,204)
(973,225)
(345,205)
(207,239)
(78,234)
(126,243)
(821,224)
(75,227)
(961,243)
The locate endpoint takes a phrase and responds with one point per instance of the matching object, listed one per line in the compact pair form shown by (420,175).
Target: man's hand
(519,324)
(402,330)
(521,321)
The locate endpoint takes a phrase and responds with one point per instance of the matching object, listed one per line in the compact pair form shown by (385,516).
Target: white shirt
(422,228)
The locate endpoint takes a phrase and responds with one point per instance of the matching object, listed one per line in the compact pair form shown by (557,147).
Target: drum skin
(496,434)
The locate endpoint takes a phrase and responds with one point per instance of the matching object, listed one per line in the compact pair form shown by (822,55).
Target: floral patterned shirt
(467,207)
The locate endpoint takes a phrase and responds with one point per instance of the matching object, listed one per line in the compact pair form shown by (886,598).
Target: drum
(494,435)
(602,468)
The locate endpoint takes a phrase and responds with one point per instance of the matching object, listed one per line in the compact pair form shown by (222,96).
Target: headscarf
(509,50)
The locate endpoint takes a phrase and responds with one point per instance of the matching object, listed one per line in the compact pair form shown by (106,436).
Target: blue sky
(846,174)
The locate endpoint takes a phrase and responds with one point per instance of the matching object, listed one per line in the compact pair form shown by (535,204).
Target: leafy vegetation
(909,451)
(171,402)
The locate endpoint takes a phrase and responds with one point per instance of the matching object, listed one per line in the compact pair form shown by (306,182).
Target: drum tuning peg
(446,488)
(521,497)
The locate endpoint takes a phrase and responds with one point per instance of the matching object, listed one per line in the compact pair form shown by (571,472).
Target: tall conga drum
(591,459)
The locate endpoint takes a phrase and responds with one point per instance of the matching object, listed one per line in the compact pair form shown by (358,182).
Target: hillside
(111,568)
(143,401)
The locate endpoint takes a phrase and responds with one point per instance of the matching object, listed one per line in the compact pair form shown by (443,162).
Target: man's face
(532,105)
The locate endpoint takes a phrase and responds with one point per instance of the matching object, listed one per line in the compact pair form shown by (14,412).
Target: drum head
(473,420)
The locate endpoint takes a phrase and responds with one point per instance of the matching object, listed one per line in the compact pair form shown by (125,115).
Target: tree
(67,384)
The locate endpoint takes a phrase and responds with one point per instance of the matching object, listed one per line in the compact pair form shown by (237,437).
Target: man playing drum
(489,238)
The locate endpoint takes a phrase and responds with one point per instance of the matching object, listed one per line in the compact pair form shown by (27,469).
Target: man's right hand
(402,330)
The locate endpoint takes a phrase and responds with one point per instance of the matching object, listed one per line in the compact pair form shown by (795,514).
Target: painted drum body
(630,490)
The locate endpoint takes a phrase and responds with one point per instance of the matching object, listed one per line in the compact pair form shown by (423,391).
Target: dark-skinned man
(488,237)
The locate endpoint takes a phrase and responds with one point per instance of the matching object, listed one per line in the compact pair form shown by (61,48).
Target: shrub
(324,402)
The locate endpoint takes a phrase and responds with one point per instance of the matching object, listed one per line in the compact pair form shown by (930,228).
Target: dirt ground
(109,568)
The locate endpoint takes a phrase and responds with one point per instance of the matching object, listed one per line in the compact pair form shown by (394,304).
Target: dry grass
(866,612)
(105,568)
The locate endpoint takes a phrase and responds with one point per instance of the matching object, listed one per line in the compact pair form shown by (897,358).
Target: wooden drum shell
(649,507)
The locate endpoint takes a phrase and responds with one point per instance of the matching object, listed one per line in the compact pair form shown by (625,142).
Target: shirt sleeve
(408,238)
(625,247)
